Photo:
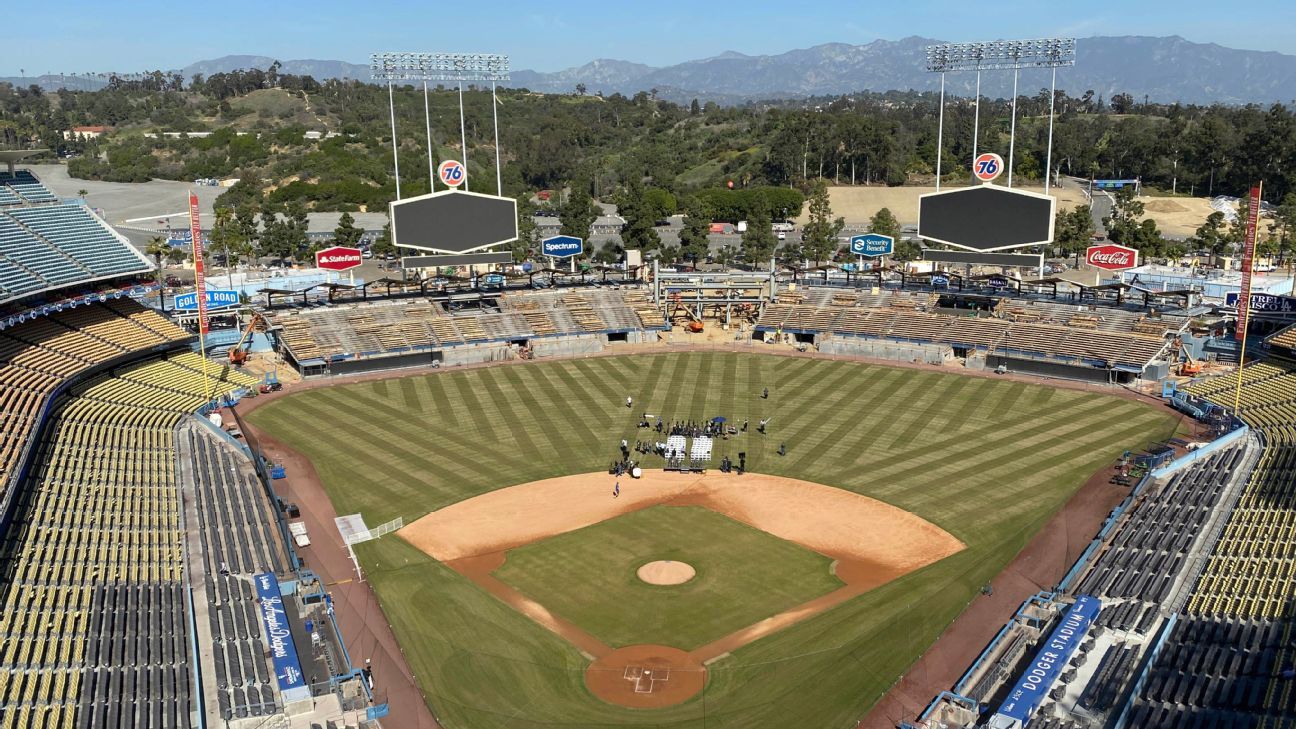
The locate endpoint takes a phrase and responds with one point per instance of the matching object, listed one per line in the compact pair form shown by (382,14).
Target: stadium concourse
(142,560)
(1196,578)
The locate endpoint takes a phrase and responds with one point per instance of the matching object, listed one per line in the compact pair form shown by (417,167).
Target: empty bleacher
(37,356)
(45,244)
(1148,552)
(1219,672)
(392,327)
(236,529)
(22,186)
(92,601)
(1018,331)
(1252,573)
(75,232)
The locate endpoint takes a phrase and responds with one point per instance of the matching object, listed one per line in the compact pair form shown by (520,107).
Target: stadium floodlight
(439,67)
(1001,55)
(424,67)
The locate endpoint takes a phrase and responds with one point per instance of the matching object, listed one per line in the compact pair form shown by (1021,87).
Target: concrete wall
(1048,369)
(567,346)
(893,351)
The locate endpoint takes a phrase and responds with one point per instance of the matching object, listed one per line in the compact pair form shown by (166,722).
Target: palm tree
(157,247)
(82,193)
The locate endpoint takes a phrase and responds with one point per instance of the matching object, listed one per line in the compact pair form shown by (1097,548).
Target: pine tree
(819,237)
(758,240)
(697,227)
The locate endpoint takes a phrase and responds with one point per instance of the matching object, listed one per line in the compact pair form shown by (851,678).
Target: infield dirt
(871,542)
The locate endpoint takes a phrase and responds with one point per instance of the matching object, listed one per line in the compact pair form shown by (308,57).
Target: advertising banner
(1248,260)
(200,281)
(283,651)
(1031,688)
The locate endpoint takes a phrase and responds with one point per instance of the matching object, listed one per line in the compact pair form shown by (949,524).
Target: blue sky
(548,35)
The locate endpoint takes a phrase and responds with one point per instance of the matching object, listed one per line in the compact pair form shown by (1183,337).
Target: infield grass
(743,575)
(987,460)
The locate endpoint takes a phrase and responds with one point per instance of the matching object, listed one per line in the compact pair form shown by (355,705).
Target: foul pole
(200,289)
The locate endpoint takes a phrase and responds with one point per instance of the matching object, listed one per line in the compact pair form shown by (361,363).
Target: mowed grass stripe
(417,449)
(1047,460)
(602,393)
(1012,443)
(426,438)
(553,436)
(505,408)
(1000,477)
(619,372)
(409,394)
(675,391)
(931,414)
(847,420)
(460,388)
(788,412)
(400,483)
(991,438)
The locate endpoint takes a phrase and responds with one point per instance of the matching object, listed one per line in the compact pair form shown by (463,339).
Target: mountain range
(1164,69)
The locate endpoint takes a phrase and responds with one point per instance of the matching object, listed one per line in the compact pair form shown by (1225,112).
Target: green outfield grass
(743,575)
(988,460)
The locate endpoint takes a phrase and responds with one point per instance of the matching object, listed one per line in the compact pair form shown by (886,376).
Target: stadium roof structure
(11,157)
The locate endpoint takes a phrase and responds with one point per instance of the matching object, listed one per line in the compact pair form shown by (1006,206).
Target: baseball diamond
(820,575)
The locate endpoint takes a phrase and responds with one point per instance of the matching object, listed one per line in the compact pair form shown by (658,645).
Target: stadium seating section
(37,356)
(1285,338)
(1224,663)
(397,326)
(46,244)
(92,604)
(1093,335)
(22,186)
(236,530)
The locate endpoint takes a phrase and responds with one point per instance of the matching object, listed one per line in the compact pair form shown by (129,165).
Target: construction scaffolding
(715,295)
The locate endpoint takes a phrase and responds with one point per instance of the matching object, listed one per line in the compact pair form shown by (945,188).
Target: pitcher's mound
(666,572)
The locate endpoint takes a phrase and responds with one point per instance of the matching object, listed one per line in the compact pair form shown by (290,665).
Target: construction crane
(237,354)
(1190,367)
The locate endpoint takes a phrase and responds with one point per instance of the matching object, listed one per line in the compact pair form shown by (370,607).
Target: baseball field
(526,594)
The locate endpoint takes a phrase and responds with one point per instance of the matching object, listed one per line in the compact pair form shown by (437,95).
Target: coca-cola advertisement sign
(1111,257)
(338,258)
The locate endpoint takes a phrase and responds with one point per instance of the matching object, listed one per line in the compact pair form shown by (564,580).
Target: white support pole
(1048,155)
(463,134)
(355,563)
(976,117)
(391,106)
(940,132)
(1012,133)
(427,121)
(499,184)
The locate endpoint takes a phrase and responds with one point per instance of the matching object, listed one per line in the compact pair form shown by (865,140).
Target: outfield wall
(1039,368)
(487,352)
(933,354)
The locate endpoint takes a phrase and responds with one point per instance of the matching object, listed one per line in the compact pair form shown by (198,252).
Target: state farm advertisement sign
(1111,257)
(338,258)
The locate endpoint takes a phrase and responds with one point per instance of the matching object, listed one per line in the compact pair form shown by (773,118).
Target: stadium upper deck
(46,244)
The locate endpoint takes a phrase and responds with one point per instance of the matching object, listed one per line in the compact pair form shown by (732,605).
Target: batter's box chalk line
(645,679)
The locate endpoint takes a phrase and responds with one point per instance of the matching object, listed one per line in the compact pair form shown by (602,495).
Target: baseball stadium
(550,503)
(482,493)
